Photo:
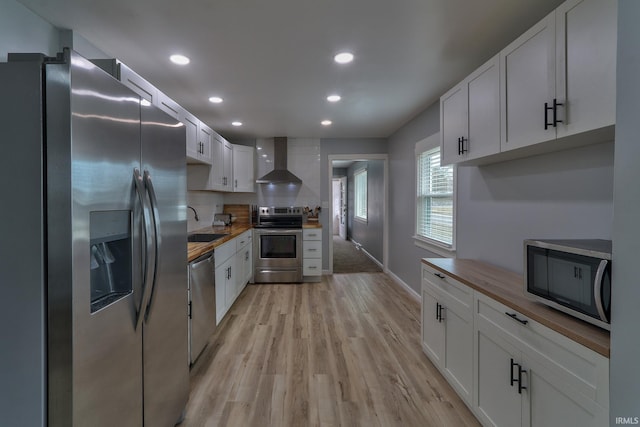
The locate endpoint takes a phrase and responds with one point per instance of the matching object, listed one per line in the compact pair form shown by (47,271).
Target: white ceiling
(272,62)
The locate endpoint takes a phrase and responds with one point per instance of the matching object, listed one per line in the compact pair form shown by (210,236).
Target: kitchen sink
(204,237)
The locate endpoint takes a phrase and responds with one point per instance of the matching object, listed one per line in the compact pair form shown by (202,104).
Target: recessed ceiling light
(236,123)
(215,99)
(326,122)
(334,98)
(264,155)
(343,57)
(259,148)
(179,59)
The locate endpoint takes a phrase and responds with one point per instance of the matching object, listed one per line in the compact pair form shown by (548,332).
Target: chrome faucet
(195,214)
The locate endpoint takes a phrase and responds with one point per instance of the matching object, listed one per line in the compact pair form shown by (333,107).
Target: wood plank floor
(342,352)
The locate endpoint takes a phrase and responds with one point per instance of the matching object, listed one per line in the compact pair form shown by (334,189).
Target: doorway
(339,214)
(342,222)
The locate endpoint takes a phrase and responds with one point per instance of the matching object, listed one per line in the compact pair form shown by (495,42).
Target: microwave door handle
(597,290)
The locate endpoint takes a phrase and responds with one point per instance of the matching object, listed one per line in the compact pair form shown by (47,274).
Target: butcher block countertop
(194,250)
(311,225)
(506,287)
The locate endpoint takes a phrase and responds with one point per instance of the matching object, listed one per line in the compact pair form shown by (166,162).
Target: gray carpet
(348,259)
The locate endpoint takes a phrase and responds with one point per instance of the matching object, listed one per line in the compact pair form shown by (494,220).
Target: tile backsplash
(206,203)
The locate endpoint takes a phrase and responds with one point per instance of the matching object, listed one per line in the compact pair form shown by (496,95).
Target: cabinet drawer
(583,369)
(312,267)
(243,240)
(311,234)
(453,290)
(312,249)
(225,251)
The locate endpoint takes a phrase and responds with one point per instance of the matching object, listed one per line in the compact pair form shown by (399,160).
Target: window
(435,216)
(360,178)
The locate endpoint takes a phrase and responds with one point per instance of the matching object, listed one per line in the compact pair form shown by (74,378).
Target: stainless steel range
(278,245)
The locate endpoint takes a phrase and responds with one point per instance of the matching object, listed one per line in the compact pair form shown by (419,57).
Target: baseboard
(378,263)
(400,282)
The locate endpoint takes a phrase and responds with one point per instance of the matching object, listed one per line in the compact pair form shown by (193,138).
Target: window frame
(357,217)
(441,248)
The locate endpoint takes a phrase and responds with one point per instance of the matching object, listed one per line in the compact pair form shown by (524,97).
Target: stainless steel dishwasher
(202,303)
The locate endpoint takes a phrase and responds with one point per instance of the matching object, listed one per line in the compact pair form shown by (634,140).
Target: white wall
(23,31)
(568,194)
(625,316)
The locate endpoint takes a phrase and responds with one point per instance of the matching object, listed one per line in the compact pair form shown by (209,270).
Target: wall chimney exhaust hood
(279,174)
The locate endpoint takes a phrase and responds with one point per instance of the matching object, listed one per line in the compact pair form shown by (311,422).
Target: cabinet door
(483,94)
(217,168)
(191,124)
(205,141)
(550,399)
(432,328)
(527,71)
(453,124)
(586,64)
(227,156)
(458,352)
(243,168)
(168,105)
(138,84)
(497,402)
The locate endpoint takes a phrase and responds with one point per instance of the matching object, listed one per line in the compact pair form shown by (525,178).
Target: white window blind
(435,184)
(360,178)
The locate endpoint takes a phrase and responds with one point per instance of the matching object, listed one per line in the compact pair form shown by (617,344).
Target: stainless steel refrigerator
(93,250)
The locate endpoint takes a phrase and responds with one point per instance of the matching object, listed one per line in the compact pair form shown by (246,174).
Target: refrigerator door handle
(139,186)
(157,240)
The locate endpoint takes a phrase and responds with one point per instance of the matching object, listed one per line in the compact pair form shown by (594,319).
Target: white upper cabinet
(586,64)
(554,88)
(191,124)
(220,178)
(243,169)
(470,116)
(205,142)
(138,84)
(559,77)
(168,105)
(527,71)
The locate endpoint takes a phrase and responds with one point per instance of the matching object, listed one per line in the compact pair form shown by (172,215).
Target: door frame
(385,210)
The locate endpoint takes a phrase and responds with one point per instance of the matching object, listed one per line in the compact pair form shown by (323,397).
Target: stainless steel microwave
(573,276)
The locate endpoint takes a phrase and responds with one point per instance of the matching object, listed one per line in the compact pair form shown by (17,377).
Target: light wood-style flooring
(342,352)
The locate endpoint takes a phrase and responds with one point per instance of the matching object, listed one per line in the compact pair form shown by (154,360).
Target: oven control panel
(273,210)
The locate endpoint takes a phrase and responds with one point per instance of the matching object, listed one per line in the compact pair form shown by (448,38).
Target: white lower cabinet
(312,254)
(510,370)
(530,375)
(234,269)
(447,329)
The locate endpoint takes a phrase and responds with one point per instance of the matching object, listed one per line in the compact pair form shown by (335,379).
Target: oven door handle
(277,231)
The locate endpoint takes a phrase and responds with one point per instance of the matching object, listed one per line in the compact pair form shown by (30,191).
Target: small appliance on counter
(573,276)
(222,219)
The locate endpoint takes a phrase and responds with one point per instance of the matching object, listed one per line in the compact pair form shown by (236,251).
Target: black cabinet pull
(439,275)
(555,112)
(554,109)
(459,147)
(513,380)
(520,372)
(438,312)
(462,149)
(514,316)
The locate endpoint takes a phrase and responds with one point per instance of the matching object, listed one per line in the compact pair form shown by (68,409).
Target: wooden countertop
(506,287)
(311,225)
(194,250)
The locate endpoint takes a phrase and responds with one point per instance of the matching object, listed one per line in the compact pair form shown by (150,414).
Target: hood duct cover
(279,174)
